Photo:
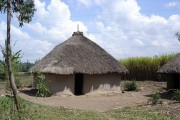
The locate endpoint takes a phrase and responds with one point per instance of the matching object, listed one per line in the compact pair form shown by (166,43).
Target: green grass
(24,79)
(32,111)
(138,113)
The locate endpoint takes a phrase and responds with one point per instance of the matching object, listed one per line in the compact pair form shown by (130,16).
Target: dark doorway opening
(176,81)
(78,89)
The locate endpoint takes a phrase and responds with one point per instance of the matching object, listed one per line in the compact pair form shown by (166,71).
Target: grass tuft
(130,85)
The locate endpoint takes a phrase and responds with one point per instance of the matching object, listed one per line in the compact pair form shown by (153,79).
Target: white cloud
(2,36)
(41,8)
(28,44)
(87,3)
(52,25)
(139,42)
(120,28)
(171,4)
(37,27)
(132,33)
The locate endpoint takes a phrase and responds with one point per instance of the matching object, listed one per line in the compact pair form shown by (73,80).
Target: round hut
(171,71)
(79,66)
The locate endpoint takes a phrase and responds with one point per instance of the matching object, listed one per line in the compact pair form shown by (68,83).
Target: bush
(43,90)
(18,83)
(2,77)
(176,95)
(130,86)
(155,99)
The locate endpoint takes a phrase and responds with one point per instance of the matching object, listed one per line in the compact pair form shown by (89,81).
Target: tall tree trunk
(9,55)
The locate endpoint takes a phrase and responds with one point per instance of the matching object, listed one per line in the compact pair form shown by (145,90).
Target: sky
(124,28)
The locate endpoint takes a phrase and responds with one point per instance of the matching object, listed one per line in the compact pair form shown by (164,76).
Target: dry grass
(145,68)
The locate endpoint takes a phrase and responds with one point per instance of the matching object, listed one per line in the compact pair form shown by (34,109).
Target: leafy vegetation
(2,77)
(25,79)
(24,66)
(18,83)
(1,67)
(20,67)
(145,68)
(43,90)
(178,35)
(130,85)
(155,99)
(16,67)
(176,95)
(21,70)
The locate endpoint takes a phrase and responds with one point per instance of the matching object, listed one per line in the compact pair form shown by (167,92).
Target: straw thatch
(172,66)
(78,54)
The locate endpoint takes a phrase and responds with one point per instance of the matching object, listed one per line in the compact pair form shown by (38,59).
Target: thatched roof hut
(171,70)
(172,66)
(79,55)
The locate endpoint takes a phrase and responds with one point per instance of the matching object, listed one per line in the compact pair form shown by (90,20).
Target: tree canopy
(24,9)
(178,35)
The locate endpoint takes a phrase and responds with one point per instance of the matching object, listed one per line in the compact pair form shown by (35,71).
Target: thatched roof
(172,66)
(78,54)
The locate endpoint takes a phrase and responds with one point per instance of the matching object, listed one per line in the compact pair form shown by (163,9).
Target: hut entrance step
(78,88)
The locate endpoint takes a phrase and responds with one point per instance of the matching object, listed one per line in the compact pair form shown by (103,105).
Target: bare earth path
(97,103)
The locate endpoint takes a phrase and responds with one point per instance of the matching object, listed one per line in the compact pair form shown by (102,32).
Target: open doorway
(176,81)
(78,88)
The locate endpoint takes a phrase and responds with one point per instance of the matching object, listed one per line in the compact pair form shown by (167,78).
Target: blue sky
(124,28)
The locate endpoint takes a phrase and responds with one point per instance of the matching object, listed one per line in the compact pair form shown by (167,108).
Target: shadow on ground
(30,92)
(167,95)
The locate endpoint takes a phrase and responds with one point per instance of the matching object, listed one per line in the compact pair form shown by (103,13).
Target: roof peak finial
(77,27)
(78,32)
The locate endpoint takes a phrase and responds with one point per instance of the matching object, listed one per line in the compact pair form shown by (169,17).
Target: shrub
(155,99)
(18,83)
(43,90)
(176,95)
(130,86)
(2,77)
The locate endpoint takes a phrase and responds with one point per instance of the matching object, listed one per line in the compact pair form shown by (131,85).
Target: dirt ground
(102,103)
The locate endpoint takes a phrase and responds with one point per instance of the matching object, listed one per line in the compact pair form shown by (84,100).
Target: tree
(178,35)
(24,10)
(26,66)
(15,60)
